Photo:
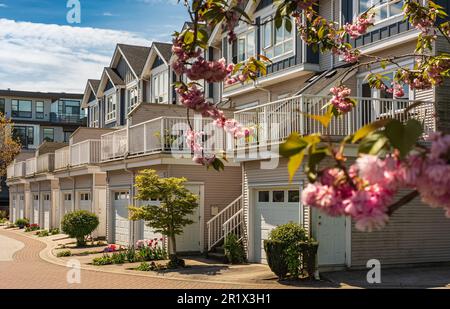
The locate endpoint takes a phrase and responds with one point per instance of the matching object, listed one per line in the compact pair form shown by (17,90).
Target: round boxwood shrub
(79,224)
(291,234)
(276,257)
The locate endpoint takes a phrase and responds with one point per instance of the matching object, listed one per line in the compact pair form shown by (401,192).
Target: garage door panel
(121,223)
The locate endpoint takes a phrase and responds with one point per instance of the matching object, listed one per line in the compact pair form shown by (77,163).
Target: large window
(94,116)
(39,110)
(383,8)
(25,135)
(276,42)
(69,107)
(48,134)
(132,98)
(2,106)
(161,87)
(246,46)
(111,108)
(21,108)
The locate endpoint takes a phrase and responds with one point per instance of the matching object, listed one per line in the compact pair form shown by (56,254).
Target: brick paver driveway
(28,270)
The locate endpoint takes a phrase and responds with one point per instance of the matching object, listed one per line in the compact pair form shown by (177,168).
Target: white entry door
(36,208)
(46,199)
(85,201)
(148,232)
(21,206)
(273,207)
(189,241)
(330,233)
(67,203)
(121,201)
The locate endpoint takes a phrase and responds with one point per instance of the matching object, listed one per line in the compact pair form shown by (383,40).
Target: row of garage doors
(189,241)
(18,208)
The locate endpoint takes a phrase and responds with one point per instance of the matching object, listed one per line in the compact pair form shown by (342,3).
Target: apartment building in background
(40,117)
(136,122)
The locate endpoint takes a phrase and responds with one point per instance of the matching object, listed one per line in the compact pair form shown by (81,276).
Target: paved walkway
(28,269)
(8,247)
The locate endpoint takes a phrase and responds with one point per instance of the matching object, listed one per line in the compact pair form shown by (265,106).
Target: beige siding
(65,183)
(34,187)
(83,134)
(325,10)
(415,234)
(45,186)
(442,93)
(83,182)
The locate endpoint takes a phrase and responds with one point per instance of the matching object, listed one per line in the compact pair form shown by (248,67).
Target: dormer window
(276,43)
(111,108)
(94,116)
(160,85)
(132,98)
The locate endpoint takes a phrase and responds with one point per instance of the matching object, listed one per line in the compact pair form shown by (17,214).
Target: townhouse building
(39,117)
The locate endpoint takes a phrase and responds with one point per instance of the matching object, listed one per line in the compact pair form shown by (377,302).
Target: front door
(330,233)
(67,203)
(189,240)
(47,206)
(36,208)
(21,206)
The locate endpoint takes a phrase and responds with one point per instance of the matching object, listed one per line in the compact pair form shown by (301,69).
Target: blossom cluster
(341,100)
(360,26)
(430,173)
(365,197)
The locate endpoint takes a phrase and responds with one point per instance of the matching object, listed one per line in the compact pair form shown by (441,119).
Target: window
(49,135)
(293,196)
(246,46)
(278,196)
(111,108)
(69,108)
(94,116)
(25,135)
(121,195)
(160,87)
(67,136)
(21,108)
(36,197)
(383,8)
(2,106)
(85,196)
(67,197)
(39,110)
(263,196)
(277,42)
(132,98)
(46,197)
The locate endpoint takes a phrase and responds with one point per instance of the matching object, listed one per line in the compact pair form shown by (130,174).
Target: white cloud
(109,14)
(43,57)
(2,5)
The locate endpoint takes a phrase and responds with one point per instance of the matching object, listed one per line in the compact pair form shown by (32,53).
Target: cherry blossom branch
(402,202)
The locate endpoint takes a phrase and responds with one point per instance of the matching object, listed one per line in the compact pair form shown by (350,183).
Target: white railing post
(163,144)
(302,117)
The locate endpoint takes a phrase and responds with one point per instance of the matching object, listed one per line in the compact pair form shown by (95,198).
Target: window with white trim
(160,85)
(111,107)
(246,45)
(132,98)
(383,9)
(85,196)
(276,42)
(94,116)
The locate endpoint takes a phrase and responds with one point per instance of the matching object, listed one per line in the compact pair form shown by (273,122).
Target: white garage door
(36,208)
(47,205)
(21,206)
(67,203)
(273,208)
(121,201)
(14,208)
(189,241)
(85,201)
(148,232)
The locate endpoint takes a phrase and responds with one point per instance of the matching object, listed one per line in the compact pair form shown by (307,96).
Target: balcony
(10,171)
(275,121)
(62,158)
(16,170)
(45,163)
(164,134)
(86,152)
(31,166)
(68,119)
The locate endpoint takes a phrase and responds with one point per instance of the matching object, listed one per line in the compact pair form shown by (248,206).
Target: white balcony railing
(10,171)
(31,166)
(62,158)
(275,121)
(45,163)
(159,135)
(19,169)
(86,152)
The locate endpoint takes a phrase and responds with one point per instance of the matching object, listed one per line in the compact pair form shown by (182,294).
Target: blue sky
(41,51)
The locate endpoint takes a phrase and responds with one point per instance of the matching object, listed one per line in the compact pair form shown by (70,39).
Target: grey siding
(124,71)
(442,93)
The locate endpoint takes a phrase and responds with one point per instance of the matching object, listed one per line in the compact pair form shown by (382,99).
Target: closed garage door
(121,201)
(14,208)
(46,215)
(21,213)
(273,208)
(85,201)
(67,203)
(36,208)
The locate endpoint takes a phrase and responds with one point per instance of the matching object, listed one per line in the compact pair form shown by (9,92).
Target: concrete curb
(47,255)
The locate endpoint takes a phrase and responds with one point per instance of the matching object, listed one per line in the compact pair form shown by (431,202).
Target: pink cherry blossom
(359,27)
(341,99)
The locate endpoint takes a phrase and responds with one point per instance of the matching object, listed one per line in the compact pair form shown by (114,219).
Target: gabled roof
(109,75)
(134,55)
(158,49)
(165,50)
(92,85)
(114,77)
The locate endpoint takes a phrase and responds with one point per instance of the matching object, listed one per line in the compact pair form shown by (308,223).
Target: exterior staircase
(229,221)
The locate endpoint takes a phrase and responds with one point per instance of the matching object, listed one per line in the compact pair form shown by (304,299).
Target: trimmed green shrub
(144,266)
(308,253)
(234,250)
(79,224)
(104,260)
(3,215)
(54,231)
(119,257)
(43,233)
(276,257)
(291,234)
(64,253)
(22,223)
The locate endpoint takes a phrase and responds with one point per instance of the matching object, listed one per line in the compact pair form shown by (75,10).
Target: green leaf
(403,137)
(293,145)
(373,143)
(369,128)
(294,164)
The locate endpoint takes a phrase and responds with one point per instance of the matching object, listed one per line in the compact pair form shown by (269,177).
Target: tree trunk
(173,247)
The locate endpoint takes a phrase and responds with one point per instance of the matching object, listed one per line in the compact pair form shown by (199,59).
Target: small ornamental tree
(79,224)
(9,146)
(171,216)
